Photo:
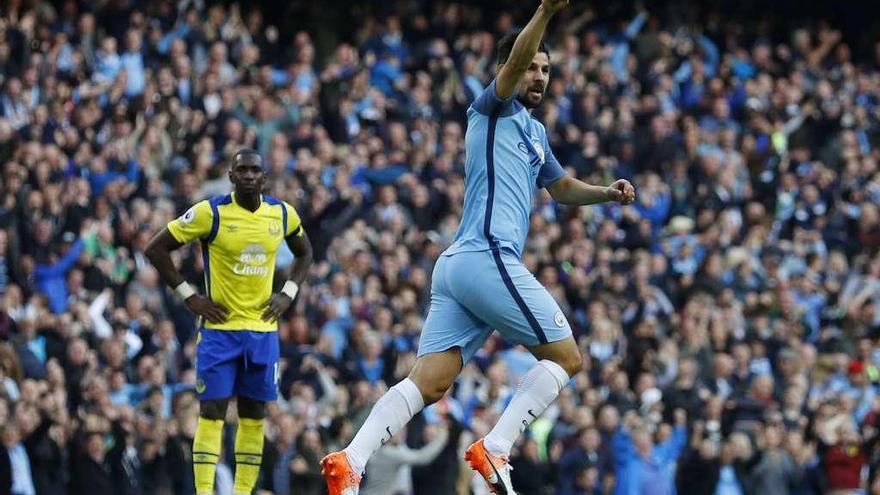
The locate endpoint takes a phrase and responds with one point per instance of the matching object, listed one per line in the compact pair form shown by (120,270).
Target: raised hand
(206,308)
(554,6)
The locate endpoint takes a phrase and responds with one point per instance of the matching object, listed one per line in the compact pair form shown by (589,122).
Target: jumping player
(479,282)
(237,353)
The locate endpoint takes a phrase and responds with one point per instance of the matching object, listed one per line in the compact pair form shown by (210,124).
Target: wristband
(185,291)
(290,289)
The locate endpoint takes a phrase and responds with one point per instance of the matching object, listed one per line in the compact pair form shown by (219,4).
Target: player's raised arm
(525,47)
(159,253)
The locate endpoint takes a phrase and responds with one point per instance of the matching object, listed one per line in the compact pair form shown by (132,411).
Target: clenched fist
(554,6)
(622,191)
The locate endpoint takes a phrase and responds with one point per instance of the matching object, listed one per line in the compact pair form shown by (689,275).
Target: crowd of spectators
(729,319)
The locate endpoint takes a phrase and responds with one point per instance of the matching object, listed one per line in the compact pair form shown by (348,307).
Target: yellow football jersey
(239,248)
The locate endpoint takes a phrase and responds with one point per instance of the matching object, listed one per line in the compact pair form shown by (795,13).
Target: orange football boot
(494,469)
(341,478)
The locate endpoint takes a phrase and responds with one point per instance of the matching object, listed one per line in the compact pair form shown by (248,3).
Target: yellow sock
(248,454)
(206,453)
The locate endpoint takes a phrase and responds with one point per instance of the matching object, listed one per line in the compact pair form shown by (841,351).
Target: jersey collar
(232,195)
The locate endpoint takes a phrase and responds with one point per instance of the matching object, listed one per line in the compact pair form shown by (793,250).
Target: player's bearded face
(534,81)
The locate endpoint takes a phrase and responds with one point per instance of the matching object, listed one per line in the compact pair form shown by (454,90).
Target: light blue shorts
(473,293)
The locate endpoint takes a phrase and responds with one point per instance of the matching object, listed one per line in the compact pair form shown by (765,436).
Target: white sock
(391,412)
(536,390)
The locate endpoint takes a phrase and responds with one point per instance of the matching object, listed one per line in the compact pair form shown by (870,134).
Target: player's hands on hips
(276,306)
(554,6)
(622,191)
(206,308)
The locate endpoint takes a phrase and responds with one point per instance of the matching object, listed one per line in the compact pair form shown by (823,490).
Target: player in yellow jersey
(237,351)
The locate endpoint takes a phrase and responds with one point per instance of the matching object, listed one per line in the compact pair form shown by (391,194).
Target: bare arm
(301,247)
(571,191)
(422,456)
(575,25)
(525,47)
(280,301)
(159,253)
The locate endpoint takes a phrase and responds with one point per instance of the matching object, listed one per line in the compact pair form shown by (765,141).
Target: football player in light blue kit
(479,283)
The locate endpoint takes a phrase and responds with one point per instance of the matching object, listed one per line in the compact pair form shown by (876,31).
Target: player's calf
(248,454)
(536,390)
(207,442)
(430,378)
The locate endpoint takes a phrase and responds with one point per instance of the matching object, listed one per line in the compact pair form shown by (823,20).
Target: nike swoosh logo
(384,441)
(526,422)
(232,228)
(499,486)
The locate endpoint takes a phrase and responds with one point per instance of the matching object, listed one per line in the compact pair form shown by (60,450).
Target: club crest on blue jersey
(559,319)
(539,149)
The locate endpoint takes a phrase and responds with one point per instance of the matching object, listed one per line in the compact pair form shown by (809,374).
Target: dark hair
(505,46)
(240,154)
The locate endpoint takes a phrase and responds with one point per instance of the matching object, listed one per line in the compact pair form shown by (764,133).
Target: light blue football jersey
(507,158)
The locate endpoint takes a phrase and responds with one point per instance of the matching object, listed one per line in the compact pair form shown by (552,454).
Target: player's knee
(434,373)
(571,362)
(248,408)
(213,409)
(432,389)
(433,392)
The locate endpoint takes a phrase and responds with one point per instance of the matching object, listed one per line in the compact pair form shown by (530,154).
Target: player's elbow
(560,191)
(160,246)
(563,200)
(301,248)
(153,250)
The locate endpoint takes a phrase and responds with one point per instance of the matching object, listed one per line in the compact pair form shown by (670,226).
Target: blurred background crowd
(729,319)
